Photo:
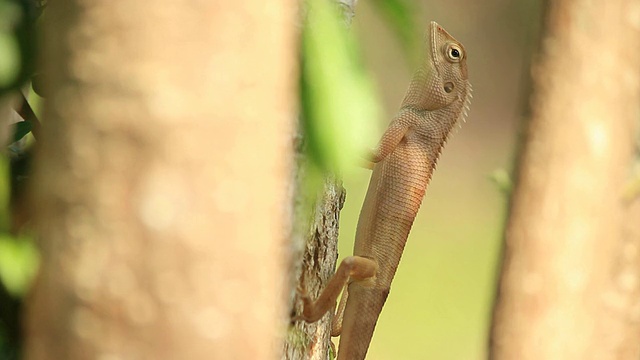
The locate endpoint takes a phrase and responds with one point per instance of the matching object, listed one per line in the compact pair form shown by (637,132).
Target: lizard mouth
(433,32)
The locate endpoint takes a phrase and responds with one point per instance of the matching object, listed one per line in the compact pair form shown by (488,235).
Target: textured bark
(570,283)
(315,247)
(316,236)
(161,185)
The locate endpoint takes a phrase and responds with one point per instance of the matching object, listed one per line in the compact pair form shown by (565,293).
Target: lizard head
(443,78)
(447,54)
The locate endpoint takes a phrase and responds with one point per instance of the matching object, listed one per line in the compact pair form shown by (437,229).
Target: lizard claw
(306,301)
(297,318)
(303,294)
(300,290)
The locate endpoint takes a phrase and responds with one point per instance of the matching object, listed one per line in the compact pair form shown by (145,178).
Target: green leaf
(18,264)
(17,42)
(9,59)
(20,129)
(340,109)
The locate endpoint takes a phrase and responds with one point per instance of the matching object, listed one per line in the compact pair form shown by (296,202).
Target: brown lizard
(437,99)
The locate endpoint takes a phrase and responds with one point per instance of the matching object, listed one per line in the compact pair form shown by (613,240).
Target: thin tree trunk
(316,237)
(161,183)
(570,284)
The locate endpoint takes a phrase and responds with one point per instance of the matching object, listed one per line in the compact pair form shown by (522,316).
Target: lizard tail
(360,317)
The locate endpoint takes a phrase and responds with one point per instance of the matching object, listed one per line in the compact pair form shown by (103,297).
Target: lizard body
(405,158)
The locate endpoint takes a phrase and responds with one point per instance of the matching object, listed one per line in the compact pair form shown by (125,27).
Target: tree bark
(570,283)
(316,236)
(161,185)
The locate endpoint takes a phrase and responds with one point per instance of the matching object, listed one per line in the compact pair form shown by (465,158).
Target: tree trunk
(570,283)
(161,185)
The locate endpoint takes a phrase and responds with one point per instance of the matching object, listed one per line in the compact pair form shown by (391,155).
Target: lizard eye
(454,53)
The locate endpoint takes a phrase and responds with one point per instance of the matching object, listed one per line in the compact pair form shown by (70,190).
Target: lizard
(403,163)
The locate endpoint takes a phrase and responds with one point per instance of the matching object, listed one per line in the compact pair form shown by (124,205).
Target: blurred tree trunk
(161,187)
(570,283)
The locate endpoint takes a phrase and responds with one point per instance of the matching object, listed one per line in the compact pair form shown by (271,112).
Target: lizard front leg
(390,139)
(352,268)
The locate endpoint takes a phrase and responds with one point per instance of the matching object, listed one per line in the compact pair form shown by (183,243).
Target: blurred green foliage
(21,129)
(10,15)
(338,104)
(340,108)
(18,255)
(17,42)
(18,263)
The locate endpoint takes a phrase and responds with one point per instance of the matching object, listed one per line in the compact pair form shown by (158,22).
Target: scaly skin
(437,99)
